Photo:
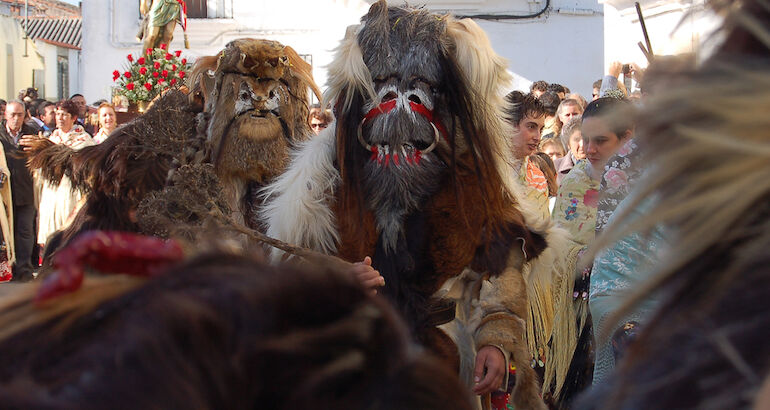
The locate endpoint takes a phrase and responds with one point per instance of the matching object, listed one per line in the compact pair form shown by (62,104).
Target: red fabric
(184,14)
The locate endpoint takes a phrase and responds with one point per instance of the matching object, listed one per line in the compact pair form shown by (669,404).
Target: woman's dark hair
(550,101)
(557,88)
(68,106)
(615,111)
(520,105)
(539,86)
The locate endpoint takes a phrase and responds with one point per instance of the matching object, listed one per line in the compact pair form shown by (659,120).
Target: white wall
(49,52)
(11,33)
(557,47)
(673,28)
(564,45)
(309,26)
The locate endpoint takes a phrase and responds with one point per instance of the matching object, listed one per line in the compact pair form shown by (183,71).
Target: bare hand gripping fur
(416,173)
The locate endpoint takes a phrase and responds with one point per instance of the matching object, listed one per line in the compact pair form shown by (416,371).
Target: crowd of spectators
(33,208)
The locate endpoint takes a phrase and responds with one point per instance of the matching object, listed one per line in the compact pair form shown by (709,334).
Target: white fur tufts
(296,207)
(348,72)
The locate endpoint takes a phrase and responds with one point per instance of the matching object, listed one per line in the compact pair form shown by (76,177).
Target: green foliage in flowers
(156,70)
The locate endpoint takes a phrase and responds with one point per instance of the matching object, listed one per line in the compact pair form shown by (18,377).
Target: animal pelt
(221,330)
(254,96)
(185,206)
(428,195)
(117,174)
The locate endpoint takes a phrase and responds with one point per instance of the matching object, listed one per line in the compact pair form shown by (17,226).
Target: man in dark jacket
(22,191)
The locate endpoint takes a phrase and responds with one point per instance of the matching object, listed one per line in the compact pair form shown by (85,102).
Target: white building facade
(563,43)
(673,27)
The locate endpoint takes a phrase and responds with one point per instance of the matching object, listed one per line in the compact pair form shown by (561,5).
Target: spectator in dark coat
(25,235)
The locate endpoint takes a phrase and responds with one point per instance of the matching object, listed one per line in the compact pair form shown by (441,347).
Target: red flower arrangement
(149,75)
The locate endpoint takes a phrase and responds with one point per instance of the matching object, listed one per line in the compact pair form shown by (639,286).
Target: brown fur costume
(221,331)
(424,188)
(254,96)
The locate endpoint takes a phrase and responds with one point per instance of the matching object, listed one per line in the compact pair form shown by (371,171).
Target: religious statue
(159,20)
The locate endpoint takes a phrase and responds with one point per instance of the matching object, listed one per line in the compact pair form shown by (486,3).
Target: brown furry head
(259,105)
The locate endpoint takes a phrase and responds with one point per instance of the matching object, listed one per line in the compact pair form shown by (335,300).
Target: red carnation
(169,56)
(173,81)
(155,74)
(130,86)
(178,53)
(162,46)
(143,70)
(181,74)
(160,80)
(164,73)
(184,61)
(173,67)
(130,58)
(141,60)
(149,51)
(156,65)
(115,75)
(148,86)
(127,74)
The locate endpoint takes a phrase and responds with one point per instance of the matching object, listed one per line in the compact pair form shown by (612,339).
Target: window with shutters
(196,9)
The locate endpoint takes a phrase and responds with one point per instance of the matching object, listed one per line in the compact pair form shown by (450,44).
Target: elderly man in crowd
(24,235)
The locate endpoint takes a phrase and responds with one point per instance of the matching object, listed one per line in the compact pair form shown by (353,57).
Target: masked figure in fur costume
(415,172)
(231,135)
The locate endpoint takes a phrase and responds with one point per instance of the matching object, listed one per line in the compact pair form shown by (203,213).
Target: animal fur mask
(258,105)
(416,99)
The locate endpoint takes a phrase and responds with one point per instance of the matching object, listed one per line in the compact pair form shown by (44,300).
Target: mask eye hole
(415,99)
(391,95)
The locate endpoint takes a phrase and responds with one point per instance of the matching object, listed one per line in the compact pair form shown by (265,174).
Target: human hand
(368,276)
(615,68)
(491,359)
(28,142)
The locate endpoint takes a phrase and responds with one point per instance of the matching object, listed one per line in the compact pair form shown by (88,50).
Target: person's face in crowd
(317,125)
(49,116)
(107,118)
(81,103)
(14,116)
(569,112)
(552,152)
(537,93)
(576,145)
(595,94)
(599,142)
(526,136)
(64,120)
(561,95)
